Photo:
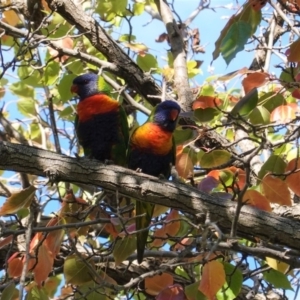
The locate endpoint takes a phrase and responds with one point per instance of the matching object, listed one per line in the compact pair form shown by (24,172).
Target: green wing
(119,150)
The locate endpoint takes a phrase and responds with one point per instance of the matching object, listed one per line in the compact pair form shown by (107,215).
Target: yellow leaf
(277,265)
(17,201)
(213,278)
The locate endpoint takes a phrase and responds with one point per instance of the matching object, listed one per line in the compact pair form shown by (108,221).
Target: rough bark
(252,222)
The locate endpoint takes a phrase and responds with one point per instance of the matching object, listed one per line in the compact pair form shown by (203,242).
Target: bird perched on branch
(101,123)
(151,150)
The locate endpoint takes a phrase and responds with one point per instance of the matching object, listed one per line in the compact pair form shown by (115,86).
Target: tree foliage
(225,227)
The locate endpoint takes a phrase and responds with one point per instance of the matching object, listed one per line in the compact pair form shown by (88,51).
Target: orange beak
(174,114)
(74,89)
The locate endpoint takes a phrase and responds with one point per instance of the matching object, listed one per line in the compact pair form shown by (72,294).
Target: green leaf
(51,73)
(64,87)
(21,89)
(128,37)
(30,76)
(275,164)
(250,16)
(234,278)
(36,293)
(76,271)
(271,100)
(215,158)
(246,104)
(278,279)
(138,8)
(235,39)
(205,115)
(35,132)
(75,65)
(67,113)
(183,135)
(207,90)
(26,107)
(51,284)
(259,116)
(147,62)
(192,292)
(93,291)
(123,248)
(18,200)
(10,292)
(104,86)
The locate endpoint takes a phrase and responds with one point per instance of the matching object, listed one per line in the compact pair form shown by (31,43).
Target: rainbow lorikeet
(151,150)
(101,122)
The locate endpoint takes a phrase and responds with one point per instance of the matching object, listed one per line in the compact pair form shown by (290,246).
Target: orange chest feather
(94,105)
(151,137)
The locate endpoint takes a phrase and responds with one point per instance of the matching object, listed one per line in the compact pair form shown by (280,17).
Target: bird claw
(139,170)
(52,174)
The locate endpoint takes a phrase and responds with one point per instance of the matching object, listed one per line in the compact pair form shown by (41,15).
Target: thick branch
(252,222)
(126,68)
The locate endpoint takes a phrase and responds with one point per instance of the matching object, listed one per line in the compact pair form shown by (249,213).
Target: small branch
(181,81)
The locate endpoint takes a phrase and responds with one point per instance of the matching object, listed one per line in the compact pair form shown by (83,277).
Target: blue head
(85,85)
(166,114)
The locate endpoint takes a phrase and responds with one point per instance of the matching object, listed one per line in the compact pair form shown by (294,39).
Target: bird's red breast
(94,105)
(152,138)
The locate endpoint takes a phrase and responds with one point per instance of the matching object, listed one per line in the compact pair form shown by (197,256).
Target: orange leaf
(184,165)
(276,190)
(254,80)
(284,113)
(206,101)
(17,201)
(213,278)
(181,246)
(294,54)
(241,176)
(6,241)
(66,43)
(169,229)
(256,199)
(35,241)
(54,238)
(154,285)
(43,266)
(293,179)
(15,265)
(11,17)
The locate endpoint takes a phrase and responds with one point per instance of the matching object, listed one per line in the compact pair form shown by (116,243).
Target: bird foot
(161,177)
(139,170)
(108,162)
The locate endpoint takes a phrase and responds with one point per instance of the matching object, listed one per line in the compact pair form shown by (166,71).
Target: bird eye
(85,81)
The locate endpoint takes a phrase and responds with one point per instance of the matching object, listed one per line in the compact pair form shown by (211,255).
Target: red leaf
(206,101)
(173,292)
(254,80)
(154,285)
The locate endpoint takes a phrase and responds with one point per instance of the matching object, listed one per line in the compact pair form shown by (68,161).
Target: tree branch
(126,68)
(252,222)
